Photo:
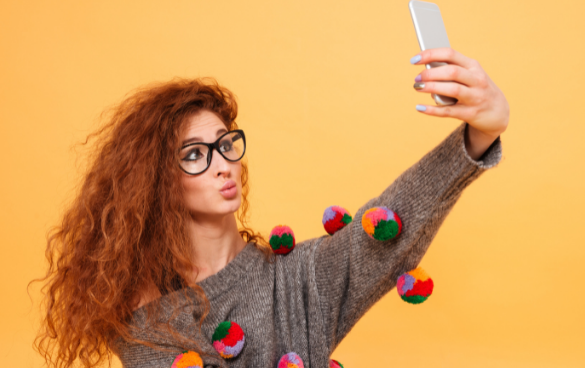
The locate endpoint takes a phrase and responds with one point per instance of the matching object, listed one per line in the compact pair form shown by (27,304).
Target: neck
(215,242)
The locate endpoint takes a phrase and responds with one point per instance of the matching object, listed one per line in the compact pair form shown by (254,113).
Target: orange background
(326,99)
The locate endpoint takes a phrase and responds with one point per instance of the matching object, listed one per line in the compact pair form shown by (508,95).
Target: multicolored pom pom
(188,359)
(228,339)
(335,218)
(415,286)
(282,239)
(290,360)
(381,223)
(334,364)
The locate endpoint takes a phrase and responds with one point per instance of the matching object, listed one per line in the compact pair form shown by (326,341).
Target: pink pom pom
(290,360)
(282,239)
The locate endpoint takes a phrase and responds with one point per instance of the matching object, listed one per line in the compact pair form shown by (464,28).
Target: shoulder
(145,297)
(302,256)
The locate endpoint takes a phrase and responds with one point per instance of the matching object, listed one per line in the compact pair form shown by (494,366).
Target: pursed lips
(228,185)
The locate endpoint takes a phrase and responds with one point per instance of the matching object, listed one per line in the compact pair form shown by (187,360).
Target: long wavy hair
(125,229)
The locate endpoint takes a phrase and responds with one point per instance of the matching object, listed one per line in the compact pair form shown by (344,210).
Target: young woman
(149,261)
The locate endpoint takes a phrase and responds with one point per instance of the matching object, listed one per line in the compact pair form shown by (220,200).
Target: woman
(149,260)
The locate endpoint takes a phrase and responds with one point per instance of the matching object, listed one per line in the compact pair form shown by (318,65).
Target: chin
(232,205)
(237,207)
(226,207)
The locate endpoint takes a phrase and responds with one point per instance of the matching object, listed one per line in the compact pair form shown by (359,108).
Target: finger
(451,89)
(445,54)
(456,111)
(453,73)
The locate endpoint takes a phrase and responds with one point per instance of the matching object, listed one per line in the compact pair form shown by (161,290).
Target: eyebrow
(198,139)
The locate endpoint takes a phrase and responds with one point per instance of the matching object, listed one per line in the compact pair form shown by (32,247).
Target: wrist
(482,135)
(477,142)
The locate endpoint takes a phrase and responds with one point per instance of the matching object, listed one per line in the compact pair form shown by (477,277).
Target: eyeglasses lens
(232,146)
(193,158)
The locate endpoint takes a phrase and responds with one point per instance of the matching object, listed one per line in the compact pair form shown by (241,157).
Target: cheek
(192,189)
(238,174)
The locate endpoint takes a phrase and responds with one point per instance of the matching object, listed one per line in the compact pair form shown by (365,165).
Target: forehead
(204,126)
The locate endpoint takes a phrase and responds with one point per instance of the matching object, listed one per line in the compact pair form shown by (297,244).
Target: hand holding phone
(477,99)
(431,33)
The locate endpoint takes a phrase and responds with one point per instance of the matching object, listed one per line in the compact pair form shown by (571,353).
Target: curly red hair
(126,228)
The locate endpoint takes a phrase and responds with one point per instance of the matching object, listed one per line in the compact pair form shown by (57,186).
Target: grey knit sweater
(307,301)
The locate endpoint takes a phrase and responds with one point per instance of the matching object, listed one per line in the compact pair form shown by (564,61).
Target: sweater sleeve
(353,271)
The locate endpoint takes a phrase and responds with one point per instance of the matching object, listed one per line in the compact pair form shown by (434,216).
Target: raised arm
(353,271)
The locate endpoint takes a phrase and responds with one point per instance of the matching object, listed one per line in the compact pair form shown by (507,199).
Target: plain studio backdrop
(326,101)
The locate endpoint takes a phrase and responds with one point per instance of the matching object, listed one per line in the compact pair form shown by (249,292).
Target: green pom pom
(386,230)
(415,299)
(275,242)
(285,239)
(221,331)
(346,219)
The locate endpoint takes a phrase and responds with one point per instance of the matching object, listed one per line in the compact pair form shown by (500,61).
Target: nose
(219,165)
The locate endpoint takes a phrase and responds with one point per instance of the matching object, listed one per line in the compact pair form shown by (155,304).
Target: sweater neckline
(231,274)
(220,281)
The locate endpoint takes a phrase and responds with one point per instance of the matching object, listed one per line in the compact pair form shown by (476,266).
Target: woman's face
(203,192)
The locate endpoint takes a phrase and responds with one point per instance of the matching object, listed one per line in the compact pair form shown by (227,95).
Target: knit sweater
(308,300)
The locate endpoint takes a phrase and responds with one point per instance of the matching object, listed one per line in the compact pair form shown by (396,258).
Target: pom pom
(380,223)
(415,286)
(335,218)
(334,364)
(188,359)
(290,360)
(228,339)
(282,239)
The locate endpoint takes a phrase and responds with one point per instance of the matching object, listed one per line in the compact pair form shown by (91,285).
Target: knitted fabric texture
(309,300)
(414,286)
(282,239)
(228,339)
(335,218)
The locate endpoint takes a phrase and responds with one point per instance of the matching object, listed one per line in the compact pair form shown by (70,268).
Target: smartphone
(431,34)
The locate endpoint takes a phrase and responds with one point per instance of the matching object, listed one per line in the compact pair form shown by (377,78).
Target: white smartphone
(431,34)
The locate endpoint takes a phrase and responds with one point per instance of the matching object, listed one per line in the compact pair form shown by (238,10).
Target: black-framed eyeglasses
(195,158)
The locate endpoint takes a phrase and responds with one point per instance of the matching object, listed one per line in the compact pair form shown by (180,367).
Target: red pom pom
(335,218)
(282,239)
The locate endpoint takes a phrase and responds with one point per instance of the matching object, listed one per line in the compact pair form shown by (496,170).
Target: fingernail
(415,59)
(421,107)
(419,86)
(418,78)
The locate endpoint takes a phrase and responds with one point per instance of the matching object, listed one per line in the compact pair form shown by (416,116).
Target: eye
(226,145)
(193,154)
